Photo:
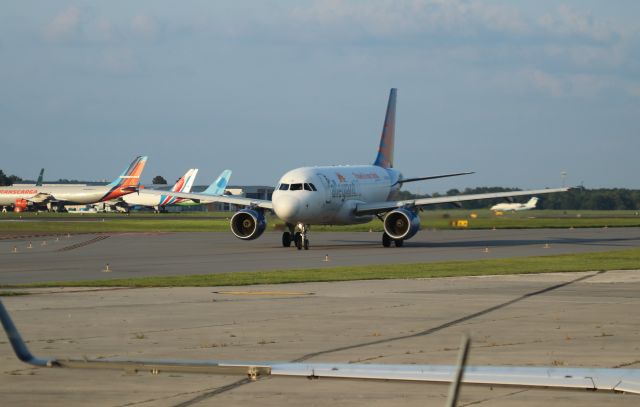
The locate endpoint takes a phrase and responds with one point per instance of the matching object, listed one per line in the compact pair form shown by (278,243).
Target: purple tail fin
(385,151)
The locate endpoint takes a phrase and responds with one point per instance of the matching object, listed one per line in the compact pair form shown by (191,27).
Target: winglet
(19,347)
(218,186)
(385,150)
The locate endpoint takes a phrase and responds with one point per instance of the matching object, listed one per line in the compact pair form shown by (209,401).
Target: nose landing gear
(298,234)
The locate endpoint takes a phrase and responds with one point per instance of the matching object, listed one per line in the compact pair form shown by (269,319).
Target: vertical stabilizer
(218,186)
(131,176)
(40,177)
(385,151)
(186,181)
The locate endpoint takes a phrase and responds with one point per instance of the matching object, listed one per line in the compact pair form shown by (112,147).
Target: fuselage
(328,195)
(142,199)
(516,206)
(67,194)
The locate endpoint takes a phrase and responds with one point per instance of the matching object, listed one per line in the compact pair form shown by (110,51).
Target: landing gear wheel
(306,244)
(399,242)
(298,240)
(386,240)
(286,239)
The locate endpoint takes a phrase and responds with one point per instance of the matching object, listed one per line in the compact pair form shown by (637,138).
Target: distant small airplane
(624,380)
(504,207)
(56,197)
(346,195)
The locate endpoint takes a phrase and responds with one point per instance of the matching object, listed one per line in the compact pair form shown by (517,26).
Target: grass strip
(221,225)
(613,260)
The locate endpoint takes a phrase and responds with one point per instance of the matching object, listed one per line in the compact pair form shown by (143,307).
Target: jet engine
(248,224)
(401,224)
(20,205)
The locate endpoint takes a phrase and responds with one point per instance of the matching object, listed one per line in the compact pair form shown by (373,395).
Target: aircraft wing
(621,380)
(230,199)
(381,207)
(41,197)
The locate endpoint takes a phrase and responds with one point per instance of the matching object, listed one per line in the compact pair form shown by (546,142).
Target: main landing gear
(296,234)
(386,240)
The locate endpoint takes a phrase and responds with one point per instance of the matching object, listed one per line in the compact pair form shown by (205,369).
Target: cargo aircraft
(56,197)
(346,195)
(624,380)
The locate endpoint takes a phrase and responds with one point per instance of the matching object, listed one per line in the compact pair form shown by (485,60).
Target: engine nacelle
(248,224)
(20,205)
(401,224)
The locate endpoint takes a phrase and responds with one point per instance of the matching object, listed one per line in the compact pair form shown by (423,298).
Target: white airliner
(55,197)
(531,204)
(345,195)
(626,380)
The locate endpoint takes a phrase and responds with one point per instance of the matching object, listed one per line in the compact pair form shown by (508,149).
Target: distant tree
(4,181)
(159,180)
(7,180)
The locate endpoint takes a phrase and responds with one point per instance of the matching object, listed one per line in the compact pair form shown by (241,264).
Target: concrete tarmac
(567,319)
(84,257)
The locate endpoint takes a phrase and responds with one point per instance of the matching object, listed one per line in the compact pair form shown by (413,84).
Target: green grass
(12,293)
(218,221)
(614,260)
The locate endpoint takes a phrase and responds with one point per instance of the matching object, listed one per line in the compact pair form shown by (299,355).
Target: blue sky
(517,91)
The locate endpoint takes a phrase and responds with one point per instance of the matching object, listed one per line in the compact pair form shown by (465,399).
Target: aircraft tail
(131,176)
(185,182)
(40,177)
(218,186)
(532,202)
(385,151)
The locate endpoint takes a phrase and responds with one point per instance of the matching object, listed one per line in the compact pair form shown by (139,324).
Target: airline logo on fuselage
(18,191)
(368,175)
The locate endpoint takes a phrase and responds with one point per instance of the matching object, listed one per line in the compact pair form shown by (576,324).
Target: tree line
(8,180)
(577,198)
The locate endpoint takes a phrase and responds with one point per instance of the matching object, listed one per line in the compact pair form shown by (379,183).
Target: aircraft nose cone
(286,207)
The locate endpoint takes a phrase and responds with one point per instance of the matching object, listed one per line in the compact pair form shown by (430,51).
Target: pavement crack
(214,392)
(450,323)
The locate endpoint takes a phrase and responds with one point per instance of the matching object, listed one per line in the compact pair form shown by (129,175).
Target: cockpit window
(296,187)
(284,187)
(307,187)
(313,187)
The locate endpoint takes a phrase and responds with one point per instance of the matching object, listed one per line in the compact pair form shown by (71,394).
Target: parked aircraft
(55,197)
(531,204)
(216,188)
(160,202)
(184,183)
(607,379)
(344,195)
